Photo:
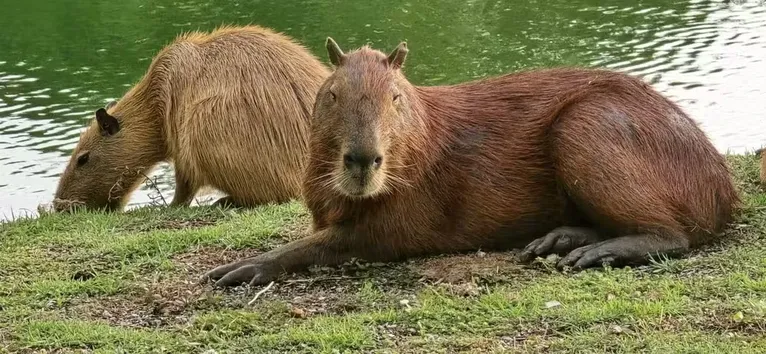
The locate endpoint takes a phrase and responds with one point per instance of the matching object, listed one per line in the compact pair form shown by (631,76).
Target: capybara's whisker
(396,180)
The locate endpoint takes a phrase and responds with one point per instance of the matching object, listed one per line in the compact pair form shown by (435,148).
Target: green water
(62,59)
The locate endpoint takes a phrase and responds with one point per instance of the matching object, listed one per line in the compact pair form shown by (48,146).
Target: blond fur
(230,109)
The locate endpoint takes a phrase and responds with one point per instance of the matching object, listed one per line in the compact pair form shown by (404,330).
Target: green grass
(125,283)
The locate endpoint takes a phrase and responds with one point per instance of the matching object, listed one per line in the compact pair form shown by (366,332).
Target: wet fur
(230,109)
(496,163)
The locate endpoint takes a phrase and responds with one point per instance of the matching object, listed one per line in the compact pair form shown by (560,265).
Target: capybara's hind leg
(560,241)
(184,192)
(624,187)
(625,250)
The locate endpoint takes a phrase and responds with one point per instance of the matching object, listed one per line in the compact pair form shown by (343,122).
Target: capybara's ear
(108,124)
(397,57)
(110,105)
(336,54)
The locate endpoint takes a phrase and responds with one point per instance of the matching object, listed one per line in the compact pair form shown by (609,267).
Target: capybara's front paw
(560,241)
(253,271)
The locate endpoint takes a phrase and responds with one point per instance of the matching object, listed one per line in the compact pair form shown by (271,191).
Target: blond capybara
(590,164)
(230,109)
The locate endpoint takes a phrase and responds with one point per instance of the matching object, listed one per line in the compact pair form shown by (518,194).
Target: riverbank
(126,282)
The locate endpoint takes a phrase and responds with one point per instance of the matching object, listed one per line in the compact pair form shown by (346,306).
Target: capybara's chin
(360,186)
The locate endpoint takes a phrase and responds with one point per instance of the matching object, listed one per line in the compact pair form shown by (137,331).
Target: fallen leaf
(298,312)
(551,304)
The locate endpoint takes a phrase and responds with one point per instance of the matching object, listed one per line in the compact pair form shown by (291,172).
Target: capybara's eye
(396,97)
(83,158)
(332,95)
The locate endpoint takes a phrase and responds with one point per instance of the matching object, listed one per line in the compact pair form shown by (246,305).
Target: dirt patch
(716,321)
(339,290)
(398,336)
(727,323)
(169,298)
(320,290)
(479,267)
(531,337)
(5,336)
(173,298)
(196,262)
(167,302)
(122,310)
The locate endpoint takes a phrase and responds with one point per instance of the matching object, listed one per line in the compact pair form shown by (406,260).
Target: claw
(559,241)
(621,251)
(571,259)
(253,271)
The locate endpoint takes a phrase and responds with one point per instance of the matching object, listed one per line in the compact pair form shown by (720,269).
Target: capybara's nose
(362,161)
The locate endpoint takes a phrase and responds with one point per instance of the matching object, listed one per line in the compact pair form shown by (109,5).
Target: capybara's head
(106,165)
(358,112)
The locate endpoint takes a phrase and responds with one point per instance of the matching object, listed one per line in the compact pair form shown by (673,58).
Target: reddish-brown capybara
(590,164)
(230,109)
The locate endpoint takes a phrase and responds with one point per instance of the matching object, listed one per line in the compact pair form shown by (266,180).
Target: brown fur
(230,109)
(591,164)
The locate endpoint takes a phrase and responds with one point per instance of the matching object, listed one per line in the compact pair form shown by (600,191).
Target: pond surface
(61,60)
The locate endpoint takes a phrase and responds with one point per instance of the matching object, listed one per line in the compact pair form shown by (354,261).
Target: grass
(124,282)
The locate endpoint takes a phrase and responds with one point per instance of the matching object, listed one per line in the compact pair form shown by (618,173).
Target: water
(61,60)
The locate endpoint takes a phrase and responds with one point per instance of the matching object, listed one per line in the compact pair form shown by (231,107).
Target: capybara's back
(244,108)
(230,109)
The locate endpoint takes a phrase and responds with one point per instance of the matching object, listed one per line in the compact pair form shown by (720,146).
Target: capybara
(590,164)
(229,108)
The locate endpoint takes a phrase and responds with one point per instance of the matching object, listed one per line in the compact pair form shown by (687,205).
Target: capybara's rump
(634,163)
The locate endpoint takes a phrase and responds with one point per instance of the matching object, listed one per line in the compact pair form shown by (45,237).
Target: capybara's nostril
(348,160)
(362,160)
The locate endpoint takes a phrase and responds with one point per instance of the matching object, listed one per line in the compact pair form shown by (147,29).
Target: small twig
(260,293)
(310,280)
(151,183)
